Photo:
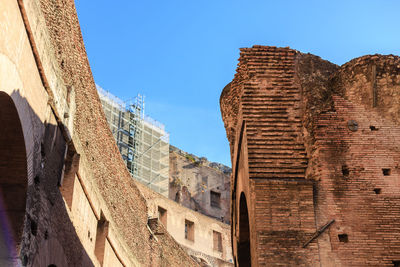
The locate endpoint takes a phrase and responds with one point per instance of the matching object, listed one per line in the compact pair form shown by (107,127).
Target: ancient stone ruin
(66,196)
(315,159)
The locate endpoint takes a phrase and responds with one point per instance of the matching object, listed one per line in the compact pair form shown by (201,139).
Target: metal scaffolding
(142,141)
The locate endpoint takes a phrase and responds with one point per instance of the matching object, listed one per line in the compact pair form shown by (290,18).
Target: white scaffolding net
(142,141)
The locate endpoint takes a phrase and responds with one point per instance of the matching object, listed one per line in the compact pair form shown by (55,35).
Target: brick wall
(355,142)
(290,119)
(103,169)
(77,204)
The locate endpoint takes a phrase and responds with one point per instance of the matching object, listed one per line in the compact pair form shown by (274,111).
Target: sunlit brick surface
(312,142)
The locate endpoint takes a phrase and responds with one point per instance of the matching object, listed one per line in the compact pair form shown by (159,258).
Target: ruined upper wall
(372,81)
(312,74)
(173,220)
(193,182)
(315,152)
(319,79)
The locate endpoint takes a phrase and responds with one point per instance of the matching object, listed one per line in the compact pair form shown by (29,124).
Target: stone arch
(51,254)
(243,243)
(13,179)
(14,101)
(12,85)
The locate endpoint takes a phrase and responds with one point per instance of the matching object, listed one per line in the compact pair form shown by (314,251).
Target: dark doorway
(13,178)
(243,245)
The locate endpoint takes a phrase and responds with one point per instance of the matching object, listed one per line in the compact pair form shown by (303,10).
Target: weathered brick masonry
(66,197)
(315,159)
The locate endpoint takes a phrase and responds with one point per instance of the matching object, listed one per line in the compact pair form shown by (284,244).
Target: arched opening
(13,179)
(243,244)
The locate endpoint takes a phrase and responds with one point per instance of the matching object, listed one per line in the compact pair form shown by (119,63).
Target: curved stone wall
(82,206)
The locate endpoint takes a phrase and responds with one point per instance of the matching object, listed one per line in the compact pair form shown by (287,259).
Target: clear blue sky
(180,54)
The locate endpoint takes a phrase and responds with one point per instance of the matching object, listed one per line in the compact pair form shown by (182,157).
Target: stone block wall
(168,218)
(193,181)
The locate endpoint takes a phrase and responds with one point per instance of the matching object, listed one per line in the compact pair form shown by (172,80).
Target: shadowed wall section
(244,251)
(13,179)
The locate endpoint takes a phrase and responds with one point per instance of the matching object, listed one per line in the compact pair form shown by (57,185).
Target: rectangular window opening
(386,171)
(217,241)
(345,170)
(215,199)
(377,190)
(69,90)
(189,230)
(101,237)
(162,216)
(343,238)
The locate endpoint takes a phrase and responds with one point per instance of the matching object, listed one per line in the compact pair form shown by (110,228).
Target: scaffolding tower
(142,141)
